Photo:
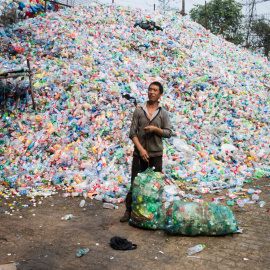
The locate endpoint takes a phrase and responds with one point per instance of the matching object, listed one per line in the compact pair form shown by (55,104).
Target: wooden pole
(183,13)
(31,84)
(205,16)
(251,15)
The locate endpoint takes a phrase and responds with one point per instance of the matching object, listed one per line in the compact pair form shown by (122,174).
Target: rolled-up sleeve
(134,125)
(166,125)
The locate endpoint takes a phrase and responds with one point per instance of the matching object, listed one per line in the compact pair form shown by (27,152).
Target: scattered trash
(121,244)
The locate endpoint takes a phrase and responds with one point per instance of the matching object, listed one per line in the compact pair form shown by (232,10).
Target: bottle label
(157,186)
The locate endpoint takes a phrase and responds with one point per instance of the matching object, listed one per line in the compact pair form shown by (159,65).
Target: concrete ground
(36,238)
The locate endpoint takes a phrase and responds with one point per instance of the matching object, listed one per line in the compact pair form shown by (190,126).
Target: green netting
(147,209)
(188,218)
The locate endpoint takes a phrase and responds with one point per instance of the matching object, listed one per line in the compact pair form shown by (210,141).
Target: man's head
(155,91)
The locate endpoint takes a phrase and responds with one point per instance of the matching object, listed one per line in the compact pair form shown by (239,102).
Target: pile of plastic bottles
(24,9)
(190,218)
(86,58)
(147,193)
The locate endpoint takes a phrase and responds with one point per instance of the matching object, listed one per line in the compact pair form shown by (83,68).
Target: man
(150,123)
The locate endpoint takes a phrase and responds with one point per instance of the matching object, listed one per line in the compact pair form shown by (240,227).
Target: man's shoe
(125,217)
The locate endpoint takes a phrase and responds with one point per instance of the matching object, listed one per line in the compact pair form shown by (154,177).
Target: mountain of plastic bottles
(85,59)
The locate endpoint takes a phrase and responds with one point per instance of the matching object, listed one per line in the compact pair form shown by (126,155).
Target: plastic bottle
(67,217)
(82,252)
(109,206)
(195,249)
(240,203)
(82,203)
(261,203)
(255,197)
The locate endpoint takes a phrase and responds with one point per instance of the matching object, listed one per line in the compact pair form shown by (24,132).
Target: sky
(262,8)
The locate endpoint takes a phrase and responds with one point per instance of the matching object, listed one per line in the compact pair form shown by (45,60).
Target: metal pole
(251,15)
(112,1)
(205,16)
(154,7)
(45,6)
(31,84)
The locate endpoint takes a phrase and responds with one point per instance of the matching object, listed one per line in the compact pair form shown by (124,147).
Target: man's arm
(143,152)
(167,126)
(150,129)
(165,132)
(133,136)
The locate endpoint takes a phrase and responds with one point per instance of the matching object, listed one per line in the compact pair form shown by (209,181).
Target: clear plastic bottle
(109,206)
(82,252)
(67,217)
(195,249)
(261,203)
(82,203)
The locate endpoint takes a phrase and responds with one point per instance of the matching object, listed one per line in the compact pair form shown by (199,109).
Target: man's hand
(144,155)
(150,129)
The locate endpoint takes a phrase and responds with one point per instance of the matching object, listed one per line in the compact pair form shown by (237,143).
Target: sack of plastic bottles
(147,209)
(189,218)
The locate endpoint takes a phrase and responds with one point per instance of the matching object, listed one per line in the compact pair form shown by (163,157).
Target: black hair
(157,84)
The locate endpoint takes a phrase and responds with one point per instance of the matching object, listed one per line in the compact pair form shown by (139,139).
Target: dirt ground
(36,238)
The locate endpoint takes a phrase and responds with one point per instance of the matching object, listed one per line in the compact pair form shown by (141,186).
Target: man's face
(153,93)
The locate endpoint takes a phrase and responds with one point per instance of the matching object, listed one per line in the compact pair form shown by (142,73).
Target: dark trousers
(139,165)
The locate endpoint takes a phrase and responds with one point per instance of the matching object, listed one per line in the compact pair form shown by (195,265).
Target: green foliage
(223,18)
(261,30)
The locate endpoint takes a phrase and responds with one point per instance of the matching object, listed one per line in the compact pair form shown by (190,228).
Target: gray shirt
(151,142)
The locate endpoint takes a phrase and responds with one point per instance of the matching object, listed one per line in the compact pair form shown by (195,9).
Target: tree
(223,17)
(166,5)
(260,36)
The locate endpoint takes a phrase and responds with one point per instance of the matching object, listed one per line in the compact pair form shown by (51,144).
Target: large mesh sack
(189,218)
(147,209)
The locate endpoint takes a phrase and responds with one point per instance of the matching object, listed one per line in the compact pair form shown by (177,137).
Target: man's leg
(156,162)
(136,164)
(134,172)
